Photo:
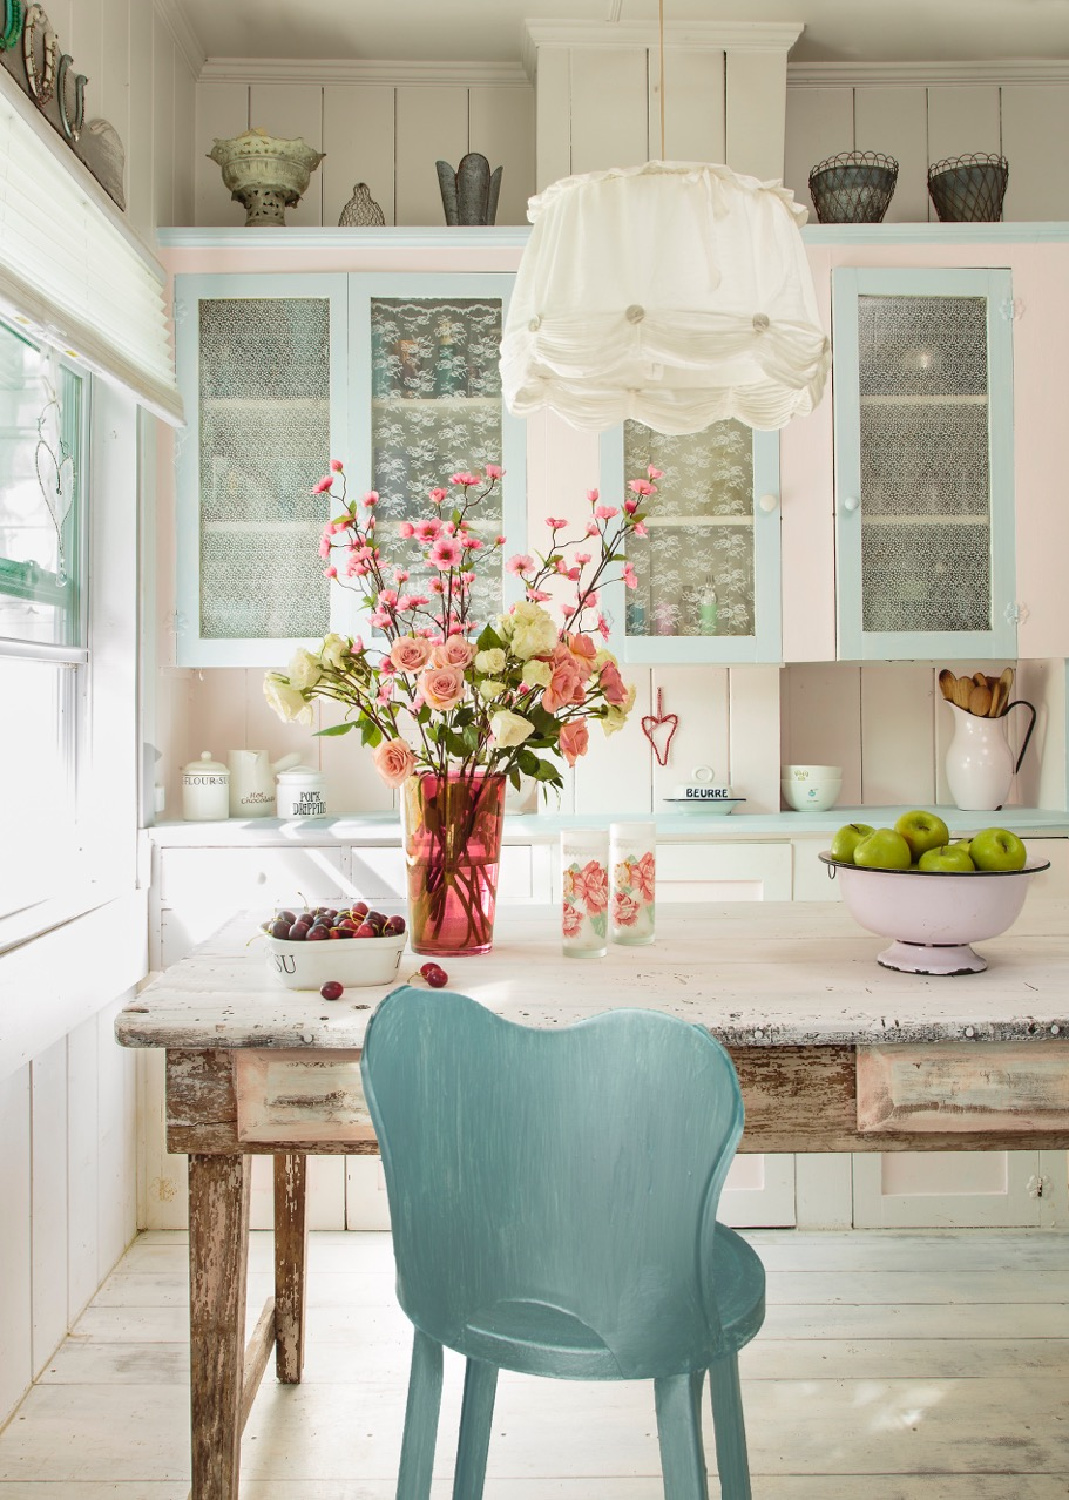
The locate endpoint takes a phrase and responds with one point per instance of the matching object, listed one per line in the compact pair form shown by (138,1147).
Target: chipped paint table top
(757,974)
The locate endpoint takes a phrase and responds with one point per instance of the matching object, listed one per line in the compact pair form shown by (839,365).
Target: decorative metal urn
(470,194)
(265,174)
(361,211)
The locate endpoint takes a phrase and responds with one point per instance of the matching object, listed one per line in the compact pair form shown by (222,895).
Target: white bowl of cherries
(326,946)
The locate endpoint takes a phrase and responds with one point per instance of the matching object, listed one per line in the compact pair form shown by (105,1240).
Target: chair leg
(421,1419)
(679,1431)
(731,1462)
(476,1414)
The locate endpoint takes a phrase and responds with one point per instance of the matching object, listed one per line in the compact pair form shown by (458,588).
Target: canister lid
(293,775)
(205,766)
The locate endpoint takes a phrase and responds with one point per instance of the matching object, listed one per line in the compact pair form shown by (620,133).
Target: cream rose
(509,729)
(394,761)
(410,654)
(535,633)
(537,673)
(491,661)
(304,671)
(453,653)
(335,653)
(443,687)
(616,718)
(286,701)
(490,688)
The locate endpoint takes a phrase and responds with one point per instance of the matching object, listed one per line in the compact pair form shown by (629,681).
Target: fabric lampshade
(677,294)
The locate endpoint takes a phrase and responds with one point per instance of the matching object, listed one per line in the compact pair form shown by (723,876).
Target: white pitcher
(980,766)
(252,782)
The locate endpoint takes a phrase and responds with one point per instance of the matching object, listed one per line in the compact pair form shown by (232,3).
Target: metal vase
(470,194)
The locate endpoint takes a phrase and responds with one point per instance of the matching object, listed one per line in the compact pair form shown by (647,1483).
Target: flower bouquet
(453,707)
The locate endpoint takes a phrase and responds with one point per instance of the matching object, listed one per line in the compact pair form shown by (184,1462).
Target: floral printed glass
(633,864)
(584,892)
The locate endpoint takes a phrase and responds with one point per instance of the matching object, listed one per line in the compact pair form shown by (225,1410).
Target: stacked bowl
(811,788)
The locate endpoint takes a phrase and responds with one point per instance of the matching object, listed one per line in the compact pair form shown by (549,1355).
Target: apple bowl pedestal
(934,916)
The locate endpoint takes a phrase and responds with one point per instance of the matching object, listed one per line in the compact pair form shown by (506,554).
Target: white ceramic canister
(300,793)
(205,789)
(252,782)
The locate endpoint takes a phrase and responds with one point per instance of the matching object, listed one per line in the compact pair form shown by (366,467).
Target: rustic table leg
(218,1264)
(291,1254)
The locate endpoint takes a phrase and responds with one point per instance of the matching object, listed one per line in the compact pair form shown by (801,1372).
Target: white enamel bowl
(811,796)
(932,915)
(351,961)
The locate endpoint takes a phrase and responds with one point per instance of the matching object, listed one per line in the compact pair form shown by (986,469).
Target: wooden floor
(892,1366)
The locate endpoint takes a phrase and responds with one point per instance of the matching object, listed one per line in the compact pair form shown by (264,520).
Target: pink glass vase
(452,830)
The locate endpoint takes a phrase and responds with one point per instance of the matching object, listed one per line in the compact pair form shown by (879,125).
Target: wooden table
(833,1054)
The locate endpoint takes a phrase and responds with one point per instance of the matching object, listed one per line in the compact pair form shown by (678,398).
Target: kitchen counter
(543,828)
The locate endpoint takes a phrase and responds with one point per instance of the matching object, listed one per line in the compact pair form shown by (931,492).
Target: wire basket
(969,189)
(853,188)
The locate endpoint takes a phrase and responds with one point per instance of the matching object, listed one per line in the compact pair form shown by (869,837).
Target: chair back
(575,1170)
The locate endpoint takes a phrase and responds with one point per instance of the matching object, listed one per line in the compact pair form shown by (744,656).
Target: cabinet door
(427,403)
(924,438)
(262,370)
(708,573)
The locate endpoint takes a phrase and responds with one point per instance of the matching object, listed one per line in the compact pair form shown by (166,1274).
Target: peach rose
(394,761)
(625,909)
(453,653)
(442,687)
(646,875)
(574,741)
(565,686)
(594,880)
(571,921)
(612,684)
(583,649)
(409,654)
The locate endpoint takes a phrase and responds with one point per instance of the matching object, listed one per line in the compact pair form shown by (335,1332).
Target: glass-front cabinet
(396,375)
(924,458)
(708,572)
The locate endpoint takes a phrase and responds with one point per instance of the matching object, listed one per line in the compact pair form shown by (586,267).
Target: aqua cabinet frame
(855,641)
(765,644)
(349,296)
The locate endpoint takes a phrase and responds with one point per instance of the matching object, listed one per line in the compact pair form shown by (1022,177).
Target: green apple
(922,831)
(997,849)
(847,839)
(951,859)
(884,849)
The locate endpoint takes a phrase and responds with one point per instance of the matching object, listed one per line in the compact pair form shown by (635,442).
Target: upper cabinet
(708,572)
(923,386)
(395,374)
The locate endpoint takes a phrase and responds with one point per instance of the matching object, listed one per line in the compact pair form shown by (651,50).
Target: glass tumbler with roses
(451,707)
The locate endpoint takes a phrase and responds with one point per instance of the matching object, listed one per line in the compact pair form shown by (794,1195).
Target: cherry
(394,927)
(280,929)
(332,990)
(364,931)
(286,916)
(428,968)
(298,932)
(318,935)
(437,978)
(343,932)
(359,908)
(377,917)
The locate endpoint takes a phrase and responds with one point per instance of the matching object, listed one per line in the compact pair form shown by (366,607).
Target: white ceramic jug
(980,765)
(252,782)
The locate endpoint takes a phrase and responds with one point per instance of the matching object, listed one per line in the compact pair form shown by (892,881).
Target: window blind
(70,270)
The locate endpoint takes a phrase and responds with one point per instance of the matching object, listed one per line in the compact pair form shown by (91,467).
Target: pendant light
(676,294)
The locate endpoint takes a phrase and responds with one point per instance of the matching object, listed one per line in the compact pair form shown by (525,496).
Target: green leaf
(514,777)
(488,639)
(370,734)
(338,728)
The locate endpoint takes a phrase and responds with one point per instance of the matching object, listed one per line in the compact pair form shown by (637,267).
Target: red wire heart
(652,722)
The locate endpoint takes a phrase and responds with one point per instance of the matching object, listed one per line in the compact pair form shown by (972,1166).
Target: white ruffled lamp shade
(676,294)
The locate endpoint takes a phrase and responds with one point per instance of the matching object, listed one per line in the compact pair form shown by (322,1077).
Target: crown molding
(703,36)
(279,70)
(173,15)
(390,237)
(904,74)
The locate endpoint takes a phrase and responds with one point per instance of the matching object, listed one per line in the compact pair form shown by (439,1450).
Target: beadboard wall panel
(501,127)
(755,90)
(600,135)
(358,126)
(962,119)
(292,110)
(432,125)
(1035,127)
(819,124)
(894,122)
(48,1116)
(693,106)
(163,92)
(16,1282)
(222,111)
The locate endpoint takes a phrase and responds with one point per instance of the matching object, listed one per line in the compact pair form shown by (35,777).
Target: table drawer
(947,1089)
(305,1096)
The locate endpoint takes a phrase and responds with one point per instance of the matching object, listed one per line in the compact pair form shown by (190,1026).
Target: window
(43,653)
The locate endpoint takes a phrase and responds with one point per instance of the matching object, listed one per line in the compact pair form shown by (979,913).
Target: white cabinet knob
(851,503)
(768,503)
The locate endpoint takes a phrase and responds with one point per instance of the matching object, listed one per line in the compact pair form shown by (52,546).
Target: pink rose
(625,910)
(612,684)
(565,686)
(593,879)
(645,875)
(409,654)
(454,653)
(571,921)
(394,761)
(442,686)
(574,741)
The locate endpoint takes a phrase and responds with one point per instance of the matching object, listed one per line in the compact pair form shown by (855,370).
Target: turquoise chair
(553,1197)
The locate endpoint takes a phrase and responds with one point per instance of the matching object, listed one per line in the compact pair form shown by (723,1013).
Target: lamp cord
(660,60)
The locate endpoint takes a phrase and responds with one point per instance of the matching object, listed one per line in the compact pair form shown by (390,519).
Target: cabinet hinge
(1038,1187)
(1014,614)
(1010,308)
